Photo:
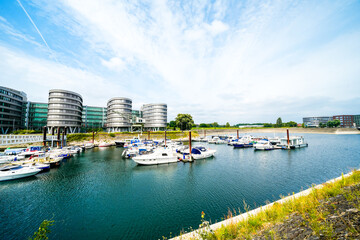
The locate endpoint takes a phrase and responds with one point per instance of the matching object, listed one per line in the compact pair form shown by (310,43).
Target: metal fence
(10,139)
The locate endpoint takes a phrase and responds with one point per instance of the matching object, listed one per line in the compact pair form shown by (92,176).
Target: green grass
(104,136)
(307,206)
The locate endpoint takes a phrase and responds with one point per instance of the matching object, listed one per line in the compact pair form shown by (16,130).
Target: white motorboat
(200,152)
(89,145)
(263,144)
(105,144)
(18,172)
(217,140)
(292,142)
(160,155)
(10,158)
(41,166)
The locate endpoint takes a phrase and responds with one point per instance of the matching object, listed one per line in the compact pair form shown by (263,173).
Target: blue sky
(224,61)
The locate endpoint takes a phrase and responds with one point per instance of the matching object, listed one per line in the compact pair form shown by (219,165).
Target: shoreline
(345,131)
(245,216)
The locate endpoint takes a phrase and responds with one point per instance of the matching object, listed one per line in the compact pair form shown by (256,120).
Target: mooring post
(165,138)
(93,137)
(64,134)
(58,137)
(44,136)
(190,157)
(288,137)
(237,131)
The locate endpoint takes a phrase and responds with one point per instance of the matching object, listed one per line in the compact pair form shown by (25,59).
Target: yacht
(245,142)
(160,155)
(17,172)
(200,152)
(263,144)
(89,145)
(292,142)
(217,140)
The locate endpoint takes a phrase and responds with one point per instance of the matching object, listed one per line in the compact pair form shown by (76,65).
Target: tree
(215,124)
(203,125)
(184,121)
(330,124)
(268,125)
(322,125)
(172,124)
(291,124)
(336,122)
(279,122)
(227,125)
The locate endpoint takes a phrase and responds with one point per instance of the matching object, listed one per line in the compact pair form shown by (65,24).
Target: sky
(220,61)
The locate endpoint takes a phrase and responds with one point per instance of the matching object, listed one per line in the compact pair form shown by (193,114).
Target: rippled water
(98,195)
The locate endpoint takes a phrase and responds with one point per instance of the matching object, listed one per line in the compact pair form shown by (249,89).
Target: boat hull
(16,174)
(243,145)
(154,161)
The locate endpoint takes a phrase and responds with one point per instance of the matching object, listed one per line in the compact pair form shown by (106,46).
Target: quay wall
(194,235)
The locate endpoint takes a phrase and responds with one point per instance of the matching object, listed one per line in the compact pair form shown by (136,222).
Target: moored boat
(18,172)
(160,155)
(263,144)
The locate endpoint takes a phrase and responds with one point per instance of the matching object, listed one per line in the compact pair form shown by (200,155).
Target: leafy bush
(112,135)
(41,234)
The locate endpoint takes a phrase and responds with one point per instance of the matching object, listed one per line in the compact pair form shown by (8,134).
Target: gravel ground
(341,221)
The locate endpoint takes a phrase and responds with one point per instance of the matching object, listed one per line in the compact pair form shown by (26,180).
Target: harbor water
(99,195)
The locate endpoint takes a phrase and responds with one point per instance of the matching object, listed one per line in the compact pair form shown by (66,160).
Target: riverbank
(220,131)
(325,211)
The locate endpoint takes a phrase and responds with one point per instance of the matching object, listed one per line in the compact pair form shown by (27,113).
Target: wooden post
(64,134)
(165,138)
(190,157)
(237,131)
(93,137)
(288,137)
(58,137)
(62,138)
(204,133)
(44,136)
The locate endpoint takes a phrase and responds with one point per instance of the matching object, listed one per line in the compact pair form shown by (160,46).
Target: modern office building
(155,116)
(119,114)
(36,115)
(315,121)
(357,121)
(93,117)
(64,111)
(346,121)
(12,103)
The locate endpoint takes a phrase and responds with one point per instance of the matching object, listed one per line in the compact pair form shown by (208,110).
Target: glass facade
(12,104)
(93,117)
(36,115)
(357,120)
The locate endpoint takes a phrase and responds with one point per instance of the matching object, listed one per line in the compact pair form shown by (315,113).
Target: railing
(10,139)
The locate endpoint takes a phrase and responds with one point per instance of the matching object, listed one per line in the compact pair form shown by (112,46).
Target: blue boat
(243,145)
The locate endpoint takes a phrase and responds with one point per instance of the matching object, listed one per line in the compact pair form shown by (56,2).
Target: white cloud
(114,63)
(216,61)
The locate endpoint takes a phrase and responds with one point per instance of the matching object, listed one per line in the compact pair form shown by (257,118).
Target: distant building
(346,121)
(93,117)
(12,104)
(36,115)
(315,121)
(119,112)
(155,116)
(65,110)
